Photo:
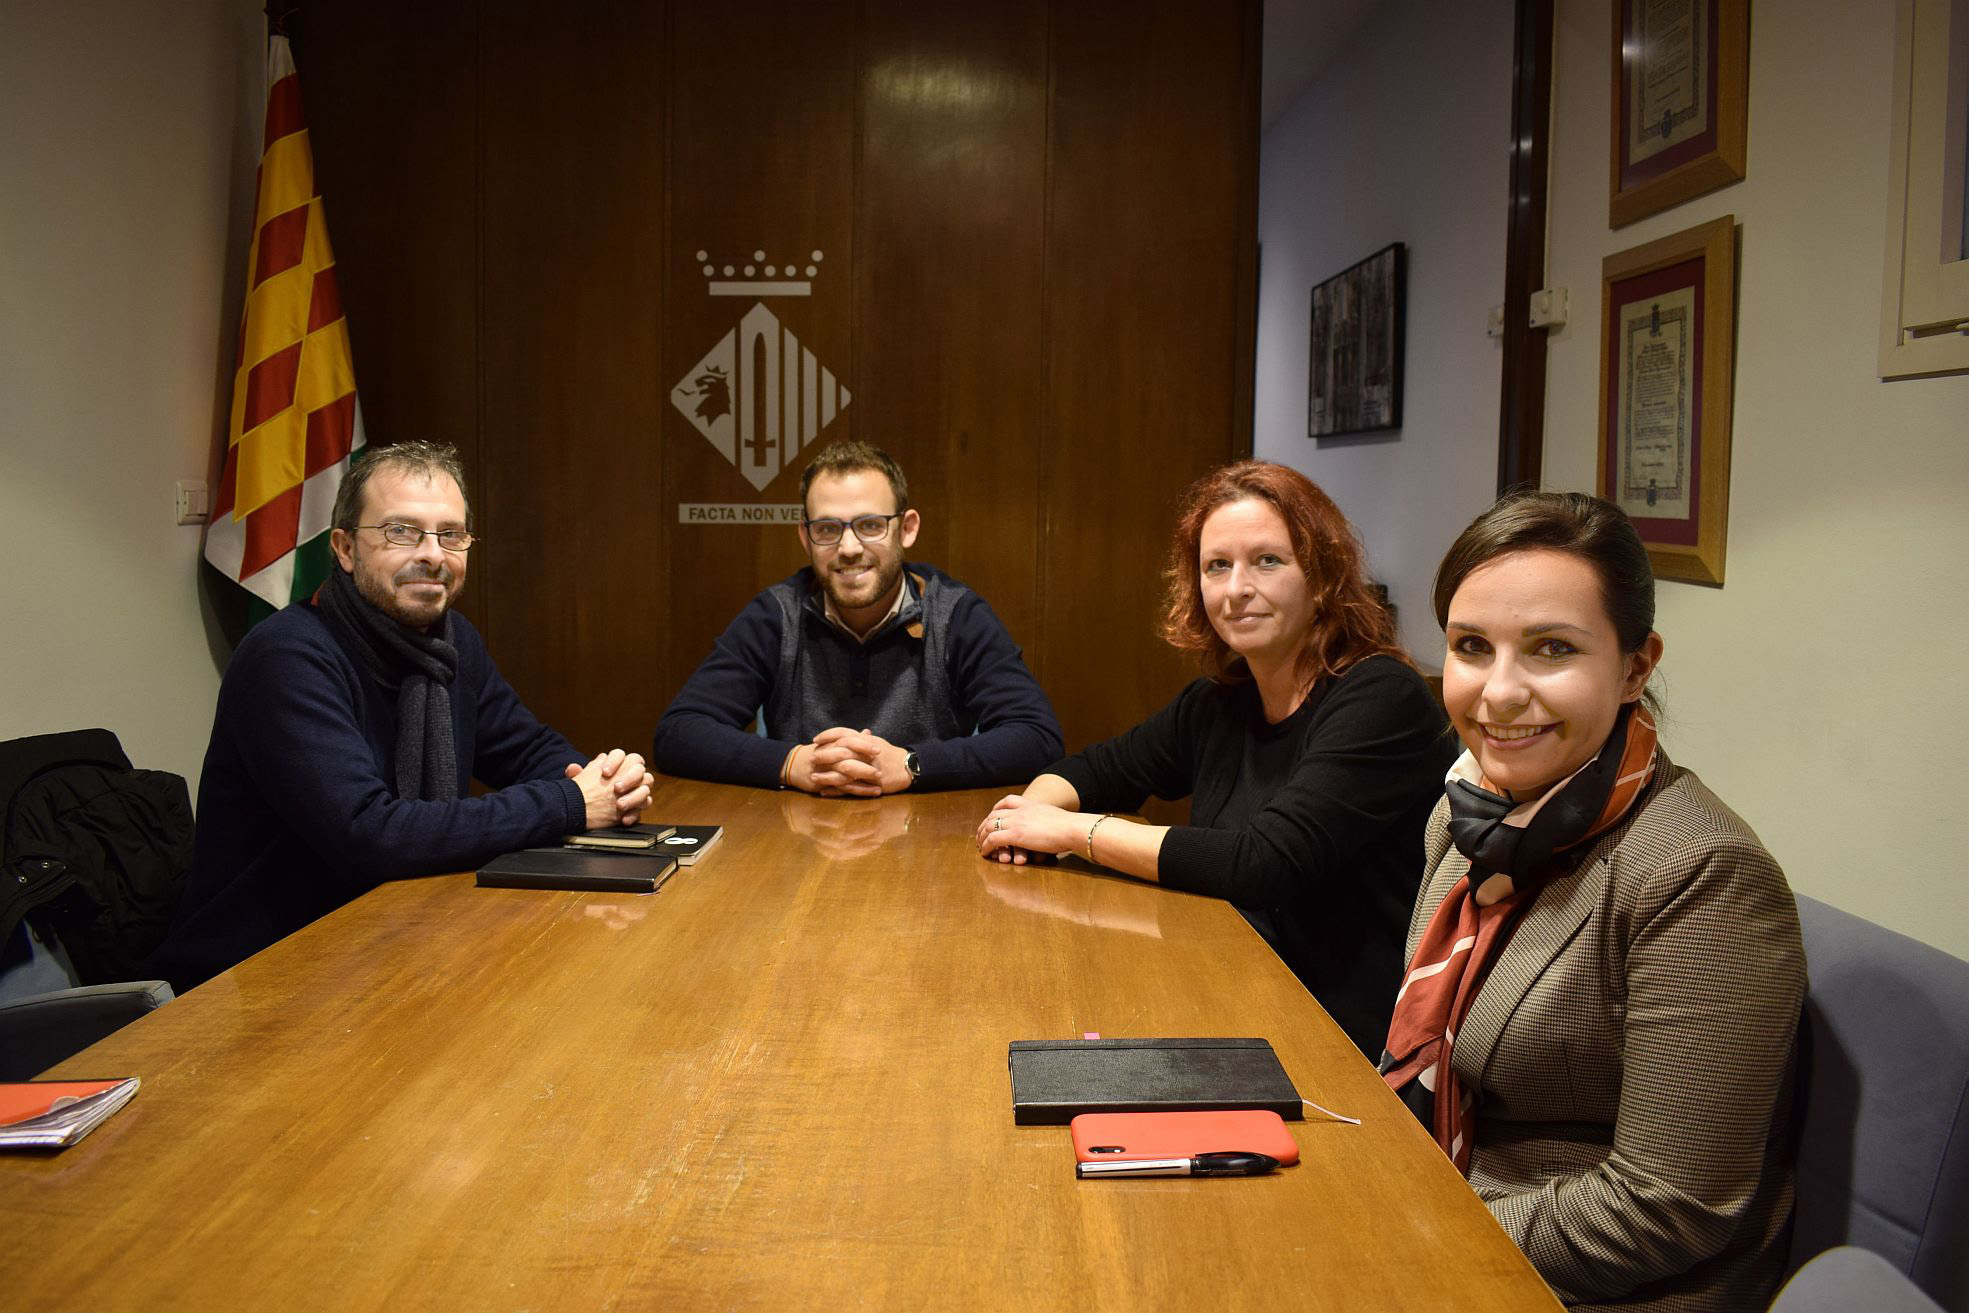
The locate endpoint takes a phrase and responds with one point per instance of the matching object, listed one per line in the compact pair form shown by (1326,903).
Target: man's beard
(884,573)
(384,598)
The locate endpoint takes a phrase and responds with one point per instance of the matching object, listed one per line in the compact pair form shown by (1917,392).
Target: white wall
(1402,138)
(126,175)
(1817,691)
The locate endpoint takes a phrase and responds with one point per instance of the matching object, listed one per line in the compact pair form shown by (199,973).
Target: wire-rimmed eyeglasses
(398,534)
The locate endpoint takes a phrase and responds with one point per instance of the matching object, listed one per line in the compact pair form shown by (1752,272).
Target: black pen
(1204,1164)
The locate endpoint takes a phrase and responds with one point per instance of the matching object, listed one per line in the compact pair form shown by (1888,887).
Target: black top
(1312,827)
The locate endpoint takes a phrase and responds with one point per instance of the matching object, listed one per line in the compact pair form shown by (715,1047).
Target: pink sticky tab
(1090,1034)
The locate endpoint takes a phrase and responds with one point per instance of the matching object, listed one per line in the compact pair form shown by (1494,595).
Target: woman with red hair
(1312,751)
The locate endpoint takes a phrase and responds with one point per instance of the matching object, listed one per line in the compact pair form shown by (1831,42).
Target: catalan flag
(294,415)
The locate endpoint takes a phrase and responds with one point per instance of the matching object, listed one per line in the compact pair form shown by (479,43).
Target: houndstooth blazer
(1632,1054)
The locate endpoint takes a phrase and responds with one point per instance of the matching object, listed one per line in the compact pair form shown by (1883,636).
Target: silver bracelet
(1090,834)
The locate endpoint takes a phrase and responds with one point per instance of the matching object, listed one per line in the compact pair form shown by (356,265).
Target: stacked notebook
(53,1114)
(635,859)
(626,838)
(687,843)
(595,869)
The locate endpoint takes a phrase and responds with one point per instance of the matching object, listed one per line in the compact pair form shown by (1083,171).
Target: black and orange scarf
(1524,843)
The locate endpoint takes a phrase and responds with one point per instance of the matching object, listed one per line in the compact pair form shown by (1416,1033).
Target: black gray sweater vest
(896,683)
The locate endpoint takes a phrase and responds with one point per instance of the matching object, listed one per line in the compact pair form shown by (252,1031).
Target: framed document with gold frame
(1679,88)
(1667,337)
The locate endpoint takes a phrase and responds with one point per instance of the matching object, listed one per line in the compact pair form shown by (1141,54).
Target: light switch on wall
(194,501)
(1548,307)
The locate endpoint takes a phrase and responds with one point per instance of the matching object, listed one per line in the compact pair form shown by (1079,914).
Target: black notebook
(687,843)
(1055,1080)
(611,871)
(618,837)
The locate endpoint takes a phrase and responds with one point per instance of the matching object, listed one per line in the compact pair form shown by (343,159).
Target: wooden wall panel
(761,172)
(571,232)
(390,92)
(950,282)
(1037,226)
(1148,242)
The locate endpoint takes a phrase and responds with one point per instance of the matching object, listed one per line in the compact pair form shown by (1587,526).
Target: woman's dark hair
(1349,622)
(1596,531)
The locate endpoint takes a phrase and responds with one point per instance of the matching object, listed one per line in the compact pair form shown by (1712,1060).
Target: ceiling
(1301,39)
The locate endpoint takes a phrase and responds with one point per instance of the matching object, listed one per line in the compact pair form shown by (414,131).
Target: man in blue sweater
(350,726)
(874,674)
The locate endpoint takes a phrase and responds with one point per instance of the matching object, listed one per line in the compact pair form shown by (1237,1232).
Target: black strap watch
(913,764)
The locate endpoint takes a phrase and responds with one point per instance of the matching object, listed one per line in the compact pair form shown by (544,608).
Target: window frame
(1925,302)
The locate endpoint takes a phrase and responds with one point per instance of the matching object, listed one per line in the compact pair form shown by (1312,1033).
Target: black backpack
(93,851)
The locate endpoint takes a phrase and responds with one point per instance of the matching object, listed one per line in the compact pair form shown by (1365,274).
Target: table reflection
(843,829)
(616,916)
(1077,895)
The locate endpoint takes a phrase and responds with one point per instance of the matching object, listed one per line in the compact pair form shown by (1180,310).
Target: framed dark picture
(1358,328)
(1667,329)
(1679,90)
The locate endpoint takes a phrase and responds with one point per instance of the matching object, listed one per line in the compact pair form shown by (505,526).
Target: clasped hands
(615,787)
(849,763)
(1020,830)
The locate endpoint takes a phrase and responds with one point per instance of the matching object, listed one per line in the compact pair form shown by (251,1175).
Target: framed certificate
(1667,329)
(1679,74)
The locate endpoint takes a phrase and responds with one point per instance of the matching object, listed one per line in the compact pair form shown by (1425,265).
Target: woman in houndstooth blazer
(1620,1040)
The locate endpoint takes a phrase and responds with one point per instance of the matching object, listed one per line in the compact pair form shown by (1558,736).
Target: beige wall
(1814,691)
(126,169)
(1426,83)
(1818,690)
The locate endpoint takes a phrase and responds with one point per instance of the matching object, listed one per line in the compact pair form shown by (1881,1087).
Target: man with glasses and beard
(869,674)
(350,726)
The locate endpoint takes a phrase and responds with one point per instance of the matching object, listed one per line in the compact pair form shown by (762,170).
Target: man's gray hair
(429,459)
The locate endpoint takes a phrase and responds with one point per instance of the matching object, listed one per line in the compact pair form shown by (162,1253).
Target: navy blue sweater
(297,812)
(1001,730)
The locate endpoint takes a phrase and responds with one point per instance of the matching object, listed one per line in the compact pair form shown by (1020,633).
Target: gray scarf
(420,667)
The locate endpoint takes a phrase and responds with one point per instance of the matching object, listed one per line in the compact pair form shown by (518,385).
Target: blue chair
(1849,1278)
(1883,1154)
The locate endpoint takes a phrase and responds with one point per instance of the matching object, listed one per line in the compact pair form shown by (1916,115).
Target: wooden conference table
(778,1083)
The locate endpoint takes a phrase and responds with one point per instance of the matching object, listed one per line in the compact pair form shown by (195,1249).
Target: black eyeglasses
(868,528)
(409,535)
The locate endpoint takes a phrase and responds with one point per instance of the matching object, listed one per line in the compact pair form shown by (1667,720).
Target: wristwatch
(914,765)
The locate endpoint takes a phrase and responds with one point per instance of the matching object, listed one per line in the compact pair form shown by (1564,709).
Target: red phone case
(1105,1136)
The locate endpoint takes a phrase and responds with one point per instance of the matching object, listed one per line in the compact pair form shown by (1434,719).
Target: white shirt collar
(903,598)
